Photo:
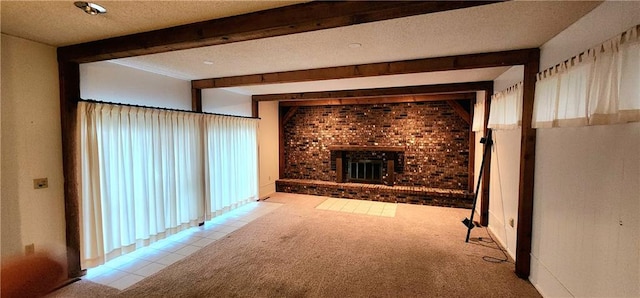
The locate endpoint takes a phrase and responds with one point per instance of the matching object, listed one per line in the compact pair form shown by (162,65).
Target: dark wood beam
(527,169)
(282,112)
(196,100)
(380,92)
(69,79)
(459,62)
(291,19)
(466,116)
(486,173)
(378,100)
(255,108)
(292,111)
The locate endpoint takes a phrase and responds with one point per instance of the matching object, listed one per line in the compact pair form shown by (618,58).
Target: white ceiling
(61,23)
(488,28)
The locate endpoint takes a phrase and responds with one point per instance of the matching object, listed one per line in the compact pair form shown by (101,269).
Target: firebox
(367,164)
(365,171)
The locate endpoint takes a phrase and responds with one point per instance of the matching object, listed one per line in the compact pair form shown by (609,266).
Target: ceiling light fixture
(90,8)
(207,62)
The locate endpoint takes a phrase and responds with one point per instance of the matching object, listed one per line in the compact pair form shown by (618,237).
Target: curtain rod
(554,69)
(510,88)
(164,109)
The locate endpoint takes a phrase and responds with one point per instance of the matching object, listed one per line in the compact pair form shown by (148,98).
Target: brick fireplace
(415,152)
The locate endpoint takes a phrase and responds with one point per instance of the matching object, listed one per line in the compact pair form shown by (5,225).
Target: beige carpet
(298,251)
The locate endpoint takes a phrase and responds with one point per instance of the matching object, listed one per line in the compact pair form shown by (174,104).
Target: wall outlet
(511,222)
(29,249)
(40,183)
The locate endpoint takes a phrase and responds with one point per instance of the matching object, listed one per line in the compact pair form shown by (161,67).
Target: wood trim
(339,168)
(459,62)
(527,171)
(304,17)
(466,116)
(379,92)
(255,108)
(292,111)
(282,111)
(377,100)
(391,171)
(69,74)
(472,150)
(196,100)
(486,173)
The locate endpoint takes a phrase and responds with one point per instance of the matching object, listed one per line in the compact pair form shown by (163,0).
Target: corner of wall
(268,142)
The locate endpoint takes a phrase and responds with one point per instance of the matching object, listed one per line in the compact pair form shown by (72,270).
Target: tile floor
(126,270)
(359,206)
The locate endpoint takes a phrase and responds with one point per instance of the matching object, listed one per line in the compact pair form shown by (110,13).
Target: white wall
(226,102)
(509,78)
(586,228)
(503,195)
(268,140)
(32,148)
(110,82)
(505,172)
(604,22)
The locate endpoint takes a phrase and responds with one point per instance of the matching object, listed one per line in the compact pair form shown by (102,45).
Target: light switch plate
(40,183)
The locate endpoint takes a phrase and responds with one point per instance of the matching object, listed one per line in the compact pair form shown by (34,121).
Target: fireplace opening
(365,171)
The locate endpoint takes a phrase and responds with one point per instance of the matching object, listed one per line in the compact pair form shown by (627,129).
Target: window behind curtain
(148,173)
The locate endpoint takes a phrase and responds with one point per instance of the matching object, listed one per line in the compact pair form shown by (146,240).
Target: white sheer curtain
(478,116)
(600,86)
(141,177)
(148,173)
(232,162)
(506,108)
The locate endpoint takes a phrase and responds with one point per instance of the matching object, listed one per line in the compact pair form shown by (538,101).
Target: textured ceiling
(488,28)
(496,27)
(60,23)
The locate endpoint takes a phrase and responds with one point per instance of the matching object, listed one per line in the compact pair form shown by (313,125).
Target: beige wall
(226,102)
(268,147)
(32,148)
(478,159)
(1,239)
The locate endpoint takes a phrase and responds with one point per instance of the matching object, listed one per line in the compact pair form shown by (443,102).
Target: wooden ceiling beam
(291,19)
(459,109)
(459,62)
(379,92)
(378,100)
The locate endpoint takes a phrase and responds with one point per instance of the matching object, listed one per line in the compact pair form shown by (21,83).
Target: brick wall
(434,136)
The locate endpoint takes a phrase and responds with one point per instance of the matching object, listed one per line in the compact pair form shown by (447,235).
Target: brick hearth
(378,192)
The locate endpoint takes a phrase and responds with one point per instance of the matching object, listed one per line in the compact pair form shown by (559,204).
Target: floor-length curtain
(231,158)
(141,177)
